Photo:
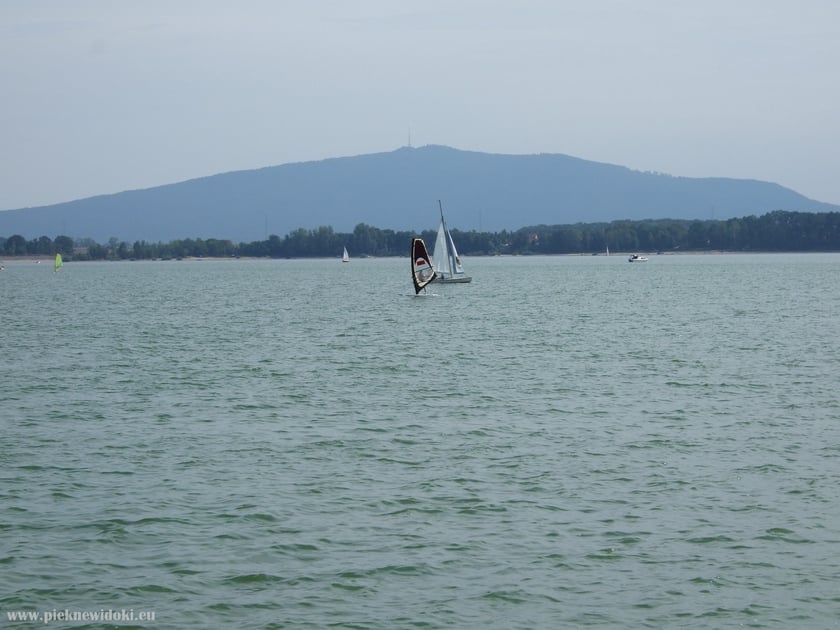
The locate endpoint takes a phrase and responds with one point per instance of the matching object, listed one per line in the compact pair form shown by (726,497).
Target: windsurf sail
(58,262)
(421,266)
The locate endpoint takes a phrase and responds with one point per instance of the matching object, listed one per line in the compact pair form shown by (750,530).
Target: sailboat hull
(455,280)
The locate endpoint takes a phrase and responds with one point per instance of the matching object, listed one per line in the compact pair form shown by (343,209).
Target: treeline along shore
(778,231)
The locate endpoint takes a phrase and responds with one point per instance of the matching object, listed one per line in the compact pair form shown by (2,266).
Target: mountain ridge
(399,190)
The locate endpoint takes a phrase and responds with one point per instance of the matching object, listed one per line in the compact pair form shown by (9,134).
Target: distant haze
(101,96)
(399,190)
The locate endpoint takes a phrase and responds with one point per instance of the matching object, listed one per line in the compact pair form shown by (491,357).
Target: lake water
(565,442)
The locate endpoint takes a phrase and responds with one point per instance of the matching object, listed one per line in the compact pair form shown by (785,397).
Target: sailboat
(345,257)
(422,272)
(445,259)
(58,263)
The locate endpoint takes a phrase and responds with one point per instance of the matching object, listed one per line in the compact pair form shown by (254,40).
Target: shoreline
(21,260)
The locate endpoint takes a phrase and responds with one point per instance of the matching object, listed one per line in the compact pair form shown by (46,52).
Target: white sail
(455,260)
(445,259)
(345,257)
(440,255)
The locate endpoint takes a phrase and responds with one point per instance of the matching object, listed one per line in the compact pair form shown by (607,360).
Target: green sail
(58,262)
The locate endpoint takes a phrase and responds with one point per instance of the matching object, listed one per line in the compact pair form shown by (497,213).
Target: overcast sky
(100,96)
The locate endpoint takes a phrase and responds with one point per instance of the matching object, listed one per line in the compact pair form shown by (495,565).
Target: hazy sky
(101,96)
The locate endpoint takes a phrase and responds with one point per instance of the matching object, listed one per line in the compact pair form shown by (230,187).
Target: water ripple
(252,444)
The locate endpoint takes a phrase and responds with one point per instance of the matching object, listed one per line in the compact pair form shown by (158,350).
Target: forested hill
(777,231)
(399,190)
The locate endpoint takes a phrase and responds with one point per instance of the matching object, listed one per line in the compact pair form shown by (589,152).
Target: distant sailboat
(345,257)
(58,263)
(447,263)
(422,272)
